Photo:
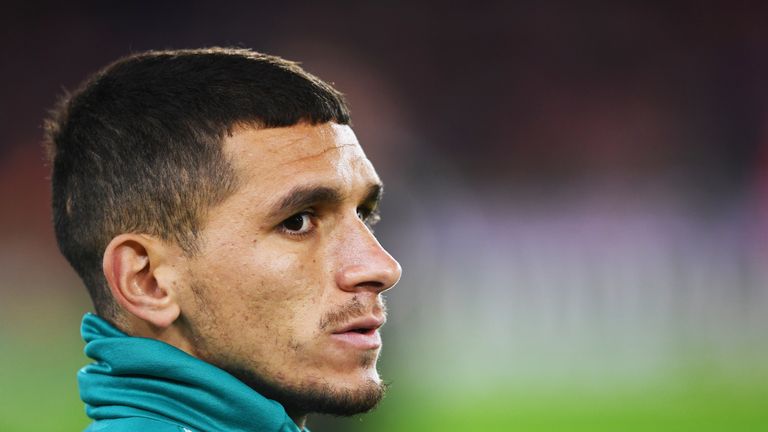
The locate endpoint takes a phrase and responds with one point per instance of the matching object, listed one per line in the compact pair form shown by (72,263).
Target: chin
(339,400)
(342,396)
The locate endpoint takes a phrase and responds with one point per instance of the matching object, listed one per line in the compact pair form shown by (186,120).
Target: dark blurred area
(574,190)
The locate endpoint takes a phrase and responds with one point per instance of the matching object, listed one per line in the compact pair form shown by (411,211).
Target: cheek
(292,294)
(283,278)
(281,293)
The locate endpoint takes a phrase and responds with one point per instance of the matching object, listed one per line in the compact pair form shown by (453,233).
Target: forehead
(273,160)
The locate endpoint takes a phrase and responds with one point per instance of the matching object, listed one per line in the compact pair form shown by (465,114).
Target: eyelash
(370,216)
(312,221)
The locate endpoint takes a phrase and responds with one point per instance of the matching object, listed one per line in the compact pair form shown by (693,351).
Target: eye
(368,215)
(300,223)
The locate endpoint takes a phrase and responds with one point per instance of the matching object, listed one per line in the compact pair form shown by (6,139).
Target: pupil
(294,223)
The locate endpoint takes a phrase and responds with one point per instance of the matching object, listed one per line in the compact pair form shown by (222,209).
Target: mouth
(360,334)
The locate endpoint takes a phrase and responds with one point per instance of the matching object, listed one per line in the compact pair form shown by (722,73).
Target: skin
(271,284)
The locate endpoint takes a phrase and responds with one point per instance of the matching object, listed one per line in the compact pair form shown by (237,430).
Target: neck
(112,385)
(174,335)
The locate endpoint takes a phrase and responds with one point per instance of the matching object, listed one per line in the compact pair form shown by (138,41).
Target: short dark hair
(138,147)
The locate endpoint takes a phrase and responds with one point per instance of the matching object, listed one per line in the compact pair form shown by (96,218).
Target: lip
(350,334)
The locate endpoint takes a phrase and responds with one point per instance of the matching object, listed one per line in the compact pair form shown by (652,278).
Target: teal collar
(139,377)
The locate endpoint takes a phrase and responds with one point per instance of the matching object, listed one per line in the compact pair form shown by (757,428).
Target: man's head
(218,200)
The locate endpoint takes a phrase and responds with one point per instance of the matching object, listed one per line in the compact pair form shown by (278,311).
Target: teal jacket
(144,385)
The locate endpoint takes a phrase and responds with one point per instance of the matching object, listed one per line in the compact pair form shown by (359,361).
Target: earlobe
(130,269)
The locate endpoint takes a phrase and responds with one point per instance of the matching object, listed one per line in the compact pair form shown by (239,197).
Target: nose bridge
(362,262)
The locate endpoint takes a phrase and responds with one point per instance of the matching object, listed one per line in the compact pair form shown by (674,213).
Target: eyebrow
(302,197)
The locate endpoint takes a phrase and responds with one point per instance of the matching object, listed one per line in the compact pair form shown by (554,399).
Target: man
(217,206)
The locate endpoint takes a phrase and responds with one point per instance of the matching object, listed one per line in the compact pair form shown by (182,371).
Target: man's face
(286,291)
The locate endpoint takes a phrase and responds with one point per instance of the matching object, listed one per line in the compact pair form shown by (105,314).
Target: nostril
(371,284)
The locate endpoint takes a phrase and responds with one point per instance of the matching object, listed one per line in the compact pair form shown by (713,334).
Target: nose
(364,264)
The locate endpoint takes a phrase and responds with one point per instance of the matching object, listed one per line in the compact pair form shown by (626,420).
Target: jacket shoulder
(133,424)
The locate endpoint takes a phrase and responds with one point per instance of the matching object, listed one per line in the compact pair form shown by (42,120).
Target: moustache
(351,310)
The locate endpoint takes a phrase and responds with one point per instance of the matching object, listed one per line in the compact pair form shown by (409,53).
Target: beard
(317,397)
(313,394)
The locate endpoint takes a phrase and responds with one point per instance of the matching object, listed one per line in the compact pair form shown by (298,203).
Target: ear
(141,276)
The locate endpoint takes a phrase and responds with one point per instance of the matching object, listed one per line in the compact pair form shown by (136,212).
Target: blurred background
(578,195)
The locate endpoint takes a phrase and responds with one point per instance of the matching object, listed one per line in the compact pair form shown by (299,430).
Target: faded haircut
(138,146)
